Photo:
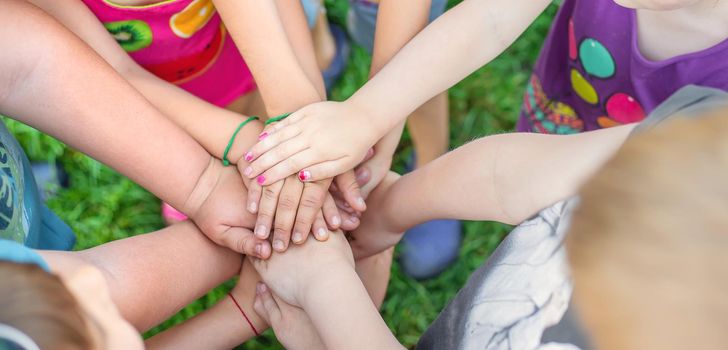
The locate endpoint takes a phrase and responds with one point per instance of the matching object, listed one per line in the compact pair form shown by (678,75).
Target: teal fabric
(17,253)
(24,218)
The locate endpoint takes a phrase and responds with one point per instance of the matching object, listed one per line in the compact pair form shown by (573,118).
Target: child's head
(657,5)
(76,315)
(648,241)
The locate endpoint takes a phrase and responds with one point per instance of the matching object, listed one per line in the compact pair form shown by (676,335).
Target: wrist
(376,120)
(203,188)
(246,138)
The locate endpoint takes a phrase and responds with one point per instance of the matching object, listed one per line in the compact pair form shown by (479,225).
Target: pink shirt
(181,41)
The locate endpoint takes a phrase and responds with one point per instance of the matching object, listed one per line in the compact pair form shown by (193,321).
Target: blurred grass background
(101,205)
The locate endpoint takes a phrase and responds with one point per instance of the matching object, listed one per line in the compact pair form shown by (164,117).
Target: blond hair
(648,241)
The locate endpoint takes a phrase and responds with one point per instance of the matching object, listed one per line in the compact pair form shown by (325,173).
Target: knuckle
(280,232)
(292,164)
(310,201)
(287,203)
(270,194)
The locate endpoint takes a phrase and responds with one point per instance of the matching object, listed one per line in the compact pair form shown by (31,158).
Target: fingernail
(297,237)
(304,175)
(260,288)
(360,201)
(353,219)
(248,171)
(346,205)
(261,232)
(248,156)
(370,152)
(258,249)
(262,135)
(321,233)
(278,245)
(336,220)
(252,207)
(260,179)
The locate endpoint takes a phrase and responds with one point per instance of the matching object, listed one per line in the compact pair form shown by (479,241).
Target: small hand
(291,325)
(217,206)
(311,261)
(317,142)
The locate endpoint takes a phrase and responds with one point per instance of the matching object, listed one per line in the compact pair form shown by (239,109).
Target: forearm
(463,39)
(343,313)
(504,178)
(398,22)
(154,275)
(103,117)
(299,36)
(211,126)
(260,35)
(221,327)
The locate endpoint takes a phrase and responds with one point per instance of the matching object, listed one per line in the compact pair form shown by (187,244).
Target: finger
(331,213)
(267,209)
(294,165)
(321,169)
(363,176)
(286,213)
(243,241)
(312,200)
(268,141)
(321,232)
(276,155)
(254,193)
(349,188)
(265,305)
(350,221)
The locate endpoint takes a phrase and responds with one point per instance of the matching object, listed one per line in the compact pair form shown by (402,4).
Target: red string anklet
(244,315)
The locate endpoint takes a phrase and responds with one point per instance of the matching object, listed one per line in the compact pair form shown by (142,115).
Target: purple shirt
(591,74)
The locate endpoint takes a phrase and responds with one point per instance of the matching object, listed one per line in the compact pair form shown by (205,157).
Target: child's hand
(293,208)
(374,234)
(317,142)
(217,206)
(291,325)
(289,274)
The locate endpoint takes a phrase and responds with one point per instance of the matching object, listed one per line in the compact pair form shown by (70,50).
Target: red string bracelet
(244,315)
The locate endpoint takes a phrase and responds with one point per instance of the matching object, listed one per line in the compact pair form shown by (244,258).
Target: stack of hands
(297,186)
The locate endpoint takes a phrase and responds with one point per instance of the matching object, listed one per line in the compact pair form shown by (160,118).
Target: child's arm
(45,83)
(209,125)
(461,40)
(154,275)
(334,298)
(222,326)
(504,178)
(398,21)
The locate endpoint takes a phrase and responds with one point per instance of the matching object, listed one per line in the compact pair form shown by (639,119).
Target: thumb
(349,187)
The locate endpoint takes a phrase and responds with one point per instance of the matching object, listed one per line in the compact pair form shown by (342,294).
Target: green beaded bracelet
(277,119)
(225,161)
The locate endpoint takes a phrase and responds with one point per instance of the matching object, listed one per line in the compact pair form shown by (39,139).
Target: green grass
(102,206)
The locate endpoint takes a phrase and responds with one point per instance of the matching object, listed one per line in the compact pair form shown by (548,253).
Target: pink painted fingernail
(248,171)
(260,179)
(248,156)
(262,135)
(304,175)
